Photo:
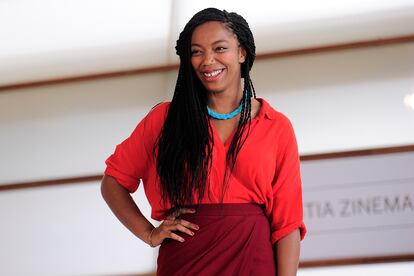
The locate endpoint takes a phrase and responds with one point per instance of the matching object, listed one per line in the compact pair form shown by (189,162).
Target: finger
(187,224)
(183,229)
(175,237)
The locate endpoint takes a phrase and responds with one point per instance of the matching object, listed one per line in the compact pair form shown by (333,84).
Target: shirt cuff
(280,233)
(130,184)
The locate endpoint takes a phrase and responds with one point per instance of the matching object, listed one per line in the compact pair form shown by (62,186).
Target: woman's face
(216,57)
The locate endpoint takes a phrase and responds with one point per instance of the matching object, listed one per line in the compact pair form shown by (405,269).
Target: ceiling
(50,39)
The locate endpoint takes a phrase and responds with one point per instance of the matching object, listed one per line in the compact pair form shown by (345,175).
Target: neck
(223,102)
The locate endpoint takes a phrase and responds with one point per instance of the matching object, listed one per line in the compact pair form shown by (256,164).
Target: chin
(213,89)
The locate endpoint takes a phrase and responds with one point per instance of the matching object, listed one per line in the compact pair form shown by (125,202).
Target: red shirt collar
(266,111)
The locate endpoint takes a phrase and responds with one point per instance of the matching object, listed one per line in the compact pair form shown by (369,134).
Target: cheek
(195,63)
(231,59)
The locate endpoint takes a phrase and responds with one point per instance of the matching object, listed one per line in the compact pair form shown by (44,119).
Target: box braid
(184,147)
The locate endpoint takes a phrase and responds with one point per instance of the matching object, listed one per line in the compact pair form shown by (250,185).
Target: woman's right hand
(170,224)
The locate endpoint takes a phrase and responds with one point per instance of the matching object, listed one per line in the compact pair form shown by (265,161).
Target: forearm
(287,251)
(124,208)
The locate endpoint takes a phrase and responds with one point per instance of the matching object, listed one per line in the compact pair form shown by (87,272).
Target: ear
(242,54)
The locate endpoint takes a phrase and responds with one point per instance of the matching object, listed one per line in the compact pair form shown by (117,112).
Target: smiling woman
(220,167)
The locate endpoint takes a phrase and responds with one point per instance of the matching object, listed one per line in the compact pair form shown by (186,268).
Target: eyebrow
(215,42)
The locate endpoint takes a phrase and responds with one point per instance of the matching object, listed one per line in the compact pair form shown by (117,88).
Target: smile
(212,76)
(213,73)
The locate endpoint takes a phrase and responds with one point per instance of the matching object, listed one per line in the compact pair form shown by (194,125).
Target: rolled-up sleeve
(127,163)
(287,212)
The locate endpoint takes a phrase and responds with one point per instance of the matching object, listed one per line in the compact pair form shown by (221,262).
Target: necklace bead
(225,116)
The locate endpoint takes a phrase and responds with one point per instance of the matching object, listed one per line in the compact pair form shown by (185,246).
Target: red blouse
(267,170)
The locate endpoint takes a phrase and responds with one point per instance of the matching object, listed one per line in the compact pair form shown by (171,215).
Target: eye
(221,49)
(195,52)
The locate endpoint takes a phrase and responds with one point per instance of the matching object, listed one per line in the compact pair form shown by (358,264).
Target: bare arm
(123,206)
(287,251)
(125,209)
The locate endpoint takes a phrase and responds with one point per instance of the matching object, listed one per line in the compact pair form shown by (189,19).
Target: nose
(208,59)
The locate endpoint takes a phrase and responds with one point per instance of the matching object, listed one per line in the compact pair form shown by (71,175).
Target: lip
(212,78)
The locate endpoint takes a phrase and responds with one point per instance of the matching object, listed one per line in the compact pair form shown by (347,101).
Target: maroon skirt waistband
(227,209)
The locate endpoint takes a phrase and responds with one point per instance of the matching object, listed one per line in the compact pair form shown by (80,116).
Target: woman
(220,167)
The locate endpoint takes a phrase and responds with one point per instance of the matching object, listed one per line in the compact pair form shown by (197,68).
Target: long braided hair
(185,144)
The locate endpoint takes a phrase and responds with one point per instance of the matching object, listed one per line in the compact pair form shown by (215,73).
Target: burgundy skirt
(233,239)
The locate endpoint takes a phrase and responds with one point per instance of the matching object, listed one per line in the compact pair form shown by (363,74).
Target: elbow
(106,186)
(110,188)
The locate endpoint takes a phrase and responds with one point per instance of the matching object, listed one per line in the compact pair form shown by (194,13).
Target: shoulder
(160,109)
(157,113)
(277,117)
(277,124)
(152,122)
(282,128)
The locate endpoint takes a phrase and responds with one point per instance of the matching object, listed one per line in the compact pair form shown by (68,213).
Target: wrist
(149,239)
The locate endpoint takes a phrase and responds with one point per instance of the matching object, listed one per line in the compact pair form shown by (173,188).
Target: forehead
(211,32)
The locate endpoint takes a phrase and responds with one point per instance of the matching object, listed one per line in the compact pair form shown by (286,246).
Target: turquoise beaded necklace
(226,116)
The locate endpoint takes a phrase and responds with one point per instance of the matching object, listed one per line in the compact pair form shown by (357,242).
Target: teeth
(212,74)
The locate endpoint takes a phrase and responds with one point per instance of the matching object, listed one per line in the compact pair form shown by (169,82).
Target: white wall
(68,230)
(45,129)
